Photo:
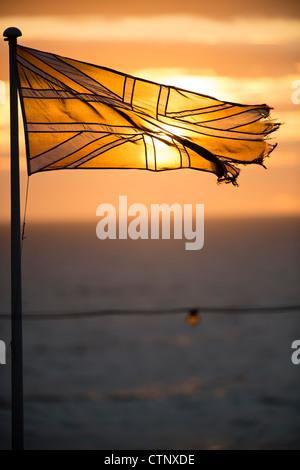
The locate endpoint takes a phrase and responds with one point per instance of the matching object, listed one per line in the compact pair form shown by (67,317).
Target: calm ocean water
(151,381)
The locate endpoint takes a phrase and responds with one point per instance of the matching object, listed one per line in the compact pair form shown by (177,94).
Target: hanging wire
(25,212)
(191,311)
(22,237)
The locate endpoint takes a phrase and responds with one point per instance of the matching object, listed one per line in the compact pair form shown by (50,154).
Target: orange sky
(236,51)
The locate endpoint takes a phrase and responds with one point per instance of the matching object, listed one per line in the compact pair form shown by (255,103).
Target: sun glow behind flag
(78,115)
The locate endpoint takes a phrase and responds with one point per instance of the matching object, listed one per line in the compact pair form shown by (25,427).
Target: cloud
(217,9)
(275,91)
(165,28)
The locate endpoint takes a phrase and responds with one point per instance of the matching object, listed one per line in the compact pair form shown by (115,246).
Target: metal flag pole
(11,35)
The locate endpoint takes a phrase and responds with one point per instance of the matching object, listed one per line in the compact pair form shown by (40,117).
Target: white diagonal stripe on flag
(63,150)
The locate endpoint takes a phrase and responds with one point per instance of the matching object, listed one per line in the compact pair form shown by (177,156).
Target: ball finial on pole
(11,32)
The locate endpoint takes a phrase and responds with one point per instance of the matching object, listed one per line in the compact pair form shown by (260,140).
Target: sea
(137,375)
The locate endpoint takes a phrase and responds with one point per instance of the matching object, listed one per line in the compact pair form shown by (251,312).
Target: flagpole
(11,35)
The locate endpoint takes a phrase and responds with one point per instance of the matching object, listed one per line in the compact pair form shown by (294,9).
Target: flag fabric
(78,115)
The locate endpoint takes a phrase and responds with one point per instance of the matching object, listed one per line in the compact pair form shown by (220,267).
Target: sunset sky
(247,52)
